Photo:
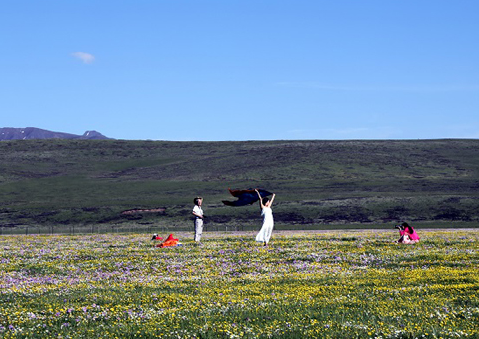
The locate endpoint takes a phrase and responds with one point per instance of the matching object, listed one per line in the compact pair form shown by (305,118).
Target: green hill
(47,183)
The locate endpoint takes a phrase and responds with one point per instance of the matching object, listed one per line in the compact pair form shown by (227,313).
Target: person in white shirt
(199,217)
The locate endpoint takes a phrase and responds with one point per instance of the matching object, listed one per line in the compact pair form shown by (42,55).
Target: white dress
(265,232)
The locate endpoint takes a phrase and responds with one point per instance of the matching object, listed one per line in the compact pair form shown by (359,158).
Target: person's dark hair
(196,200)
(407,227)
(265,200)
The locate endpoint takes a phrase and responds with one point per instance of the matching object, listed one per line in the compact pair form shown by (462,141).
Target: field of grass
(304,285)
(319,184)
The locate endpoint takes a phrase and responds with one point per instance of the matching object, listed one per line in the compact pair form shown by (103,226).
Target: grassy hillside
(318,183)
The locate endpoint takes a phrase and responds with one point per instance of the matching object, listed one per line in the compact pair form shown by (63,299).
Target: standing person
(268,222)
(199,217)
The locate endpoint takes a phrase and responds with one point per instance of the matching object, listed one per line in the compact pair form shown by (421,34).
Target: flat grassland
(304,285)
(58,186)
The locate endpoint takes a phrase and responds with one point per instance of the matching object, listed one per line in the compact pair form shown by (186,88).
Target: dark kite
(245,197)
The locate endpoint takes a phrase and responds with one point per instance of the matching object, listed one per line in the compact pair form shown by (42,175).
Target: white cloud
(87,58)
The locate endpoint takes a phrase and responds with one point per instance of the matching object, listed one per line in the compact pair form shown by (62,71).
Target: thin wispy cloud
(458,131)
(86,58)
(344,133)
(376,88)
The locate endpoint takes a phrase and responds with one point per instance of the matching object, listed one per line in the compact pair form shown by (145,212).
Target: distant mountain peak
(93,135)
(28,133)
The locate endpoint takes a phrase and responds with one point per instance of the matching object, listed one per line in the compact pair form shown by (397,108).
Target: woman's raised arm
(260,199)
(272,199)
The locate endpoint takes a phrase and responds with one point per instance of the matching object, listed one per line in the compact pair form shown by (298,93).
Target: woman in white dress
(265,233)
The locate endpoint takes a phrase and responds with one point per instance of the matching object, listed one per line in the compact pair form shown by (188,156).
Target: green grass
(45,182)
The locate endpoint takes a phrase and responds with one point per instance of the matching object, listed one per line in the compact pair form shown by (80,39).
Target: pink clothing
(412,236)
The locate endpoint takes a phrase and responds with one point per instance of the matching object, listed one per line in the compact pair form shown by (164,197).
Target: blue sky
(242,70)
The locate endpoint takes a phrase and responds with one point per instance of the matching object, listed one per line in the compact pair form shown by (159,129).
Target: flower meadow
(356,284)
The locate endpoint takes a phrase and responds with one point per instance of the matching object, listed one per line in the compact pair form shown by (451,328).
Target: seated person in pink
(407,233)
